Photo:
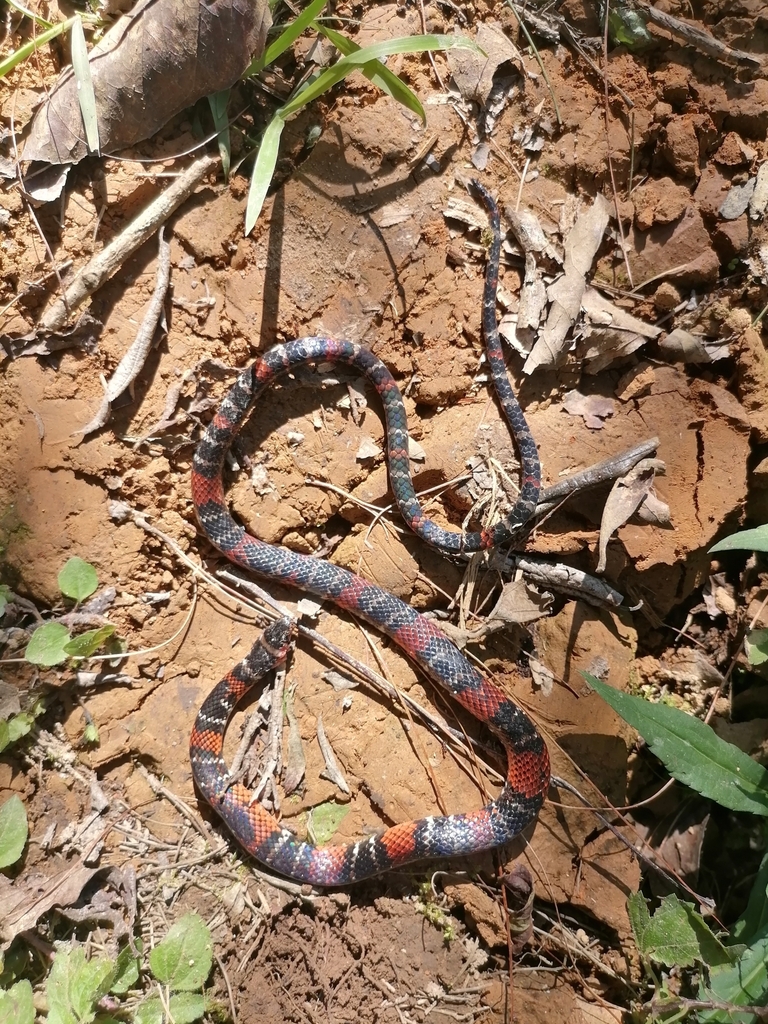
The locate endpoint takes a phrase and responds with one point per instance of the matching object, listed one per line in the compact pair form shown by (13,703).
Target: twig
(132,363)
(230,994)
(157,787)
(566,29)
(273,753)
(561,577)
(699,38)
(606,118)
(593,476)
(106,263)
(651,861)
(658,1007)
(332,771)
(536,54)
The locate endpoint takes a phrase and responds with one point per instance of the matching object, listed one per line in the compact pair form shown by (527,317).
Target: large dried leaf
(25,899)
(566,293)
(162,57)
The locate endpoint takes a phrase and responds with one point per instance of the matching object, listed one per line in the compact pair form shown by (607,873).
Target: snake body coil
(528,761)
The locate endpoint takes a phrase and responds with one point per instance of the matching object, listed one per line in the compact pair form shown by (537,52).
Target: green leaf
(353,61)
(326,819)
(84,644)
(85,94)
(755,916)
(263,170)
(186,1007)
(183,959)
(126,970)
(744,540)
(756,644)
(743,983)
(628,28)
(78,579)
(692,752)
(90,735)
(13,831)
(16,1005)
(24,51)
(676,935)
(377,73)
(75,985)
(46,645)
(5,593)
(218,102)
(150,1011)
(288,36)
(19,726)
(5,736)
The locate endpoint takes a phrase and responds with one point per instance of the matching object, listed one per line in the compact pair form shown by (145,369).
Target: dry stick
(273,746)
(527,34)
(650,859)
(106,263)
(132,363)
(564,578)
(600,473)
(157,787)
(699,38)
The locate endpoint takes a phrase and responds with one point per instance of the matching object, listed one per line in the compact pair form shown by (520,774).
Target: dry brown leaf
(24,900)
(473,71)
(683,347)
(566,293)
(627,495)
(594,408)
(162,57)
(521,602)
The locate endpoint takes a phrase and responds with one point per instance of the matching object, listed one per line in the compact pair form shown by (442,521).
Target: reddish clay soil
(355,243)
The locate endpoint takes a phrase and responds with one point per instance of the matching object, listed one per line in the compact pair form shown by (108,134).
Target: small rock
(659,201)
(737,200)
(680,147)
(666,297)
(733,152)
(731,238)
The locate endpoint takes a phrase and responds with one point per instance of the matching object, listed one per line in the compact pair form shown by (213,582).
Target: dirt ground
(356,243)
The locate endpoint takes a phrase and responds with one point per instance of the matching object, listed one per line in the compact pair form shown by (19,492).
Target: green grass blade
(288,36)
(380,75)
(692,752)
(354,61)
(86,97)
(24,51)
(744,540)
(755,916)
(263,170)
(218,102)
(41,22)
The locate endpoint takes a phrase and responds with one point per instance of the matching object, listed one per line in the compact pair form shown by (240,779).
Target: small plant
(756,640)
(728,974)
(13,833)
(368,60)
(80,990)
(52,643)
(431,911)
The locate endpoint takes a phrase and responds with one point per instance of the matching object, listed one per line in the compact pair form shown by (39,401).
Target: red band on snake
(527,757)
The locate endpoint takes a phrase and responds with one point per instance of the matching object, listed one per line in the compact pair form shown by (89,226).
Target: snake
(527,777)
